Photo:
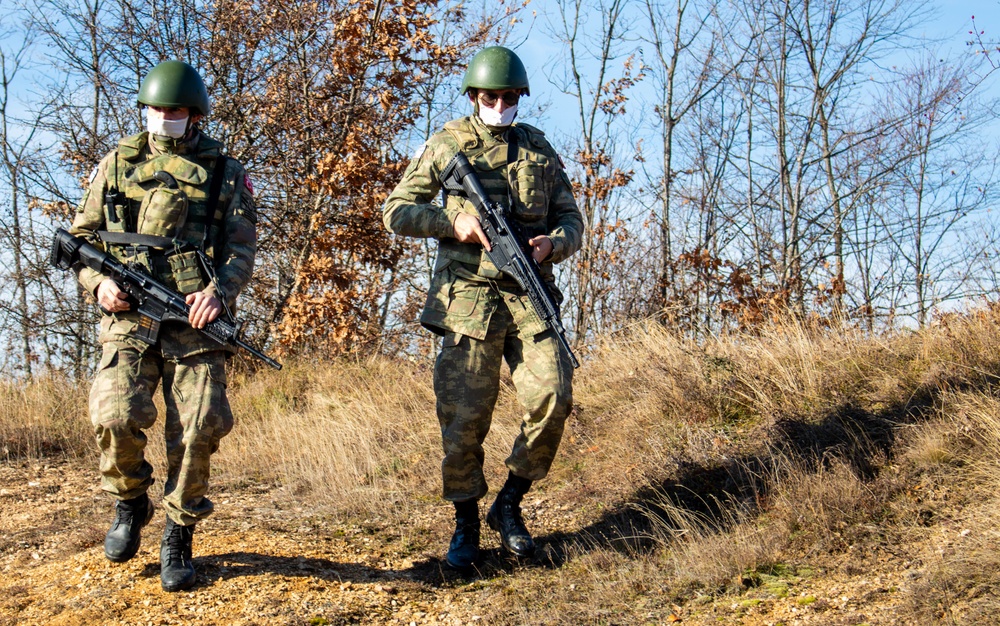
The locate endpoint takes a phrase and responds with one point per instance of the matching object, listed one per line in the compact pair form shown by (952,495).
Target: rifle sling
(511,158)
(218,174)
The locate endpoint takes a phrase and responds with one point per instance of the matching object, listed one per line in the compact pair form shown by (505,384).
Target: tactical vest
(163,199)
(522,181)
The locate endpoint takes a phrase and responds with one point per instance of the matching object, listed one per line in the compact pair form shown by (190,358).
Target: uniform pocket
(451,293)
(223,417)
(204,384)
(163,212)
(463,296)
(186,271)
(437,292)
(109,357)
(532,189)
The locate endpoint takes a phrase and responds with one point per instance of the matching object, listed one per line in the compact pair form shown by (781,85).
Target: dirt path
(255,566)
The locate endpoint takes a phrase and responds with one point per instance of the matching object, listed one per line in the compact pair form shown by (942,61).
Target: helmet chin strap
(172,145)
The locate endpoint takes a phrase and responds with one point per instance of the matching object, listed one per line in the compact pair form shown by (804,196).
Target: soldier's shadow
(717,494)
(492,562)
(212,567)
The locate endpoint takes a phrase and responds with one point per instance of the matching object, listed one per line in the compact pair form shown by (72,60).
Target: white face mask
(157,125)
(491,117)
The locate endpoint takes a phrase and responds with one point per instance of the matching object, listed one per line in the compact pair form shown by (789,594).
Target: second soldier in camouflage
(484,318)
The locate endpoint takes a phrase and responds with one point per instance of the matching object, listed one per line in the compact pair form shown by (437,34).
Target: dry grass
(47,416)
(694,470)
(361,436)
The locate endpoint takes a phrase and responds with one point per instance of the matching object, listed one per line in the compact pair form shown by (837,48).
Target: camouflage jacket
(466,287)
(177,211)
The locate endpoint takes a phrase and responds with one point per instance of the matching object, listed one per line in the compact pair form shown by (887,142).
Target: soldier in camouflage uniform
(168,200)
(482,314)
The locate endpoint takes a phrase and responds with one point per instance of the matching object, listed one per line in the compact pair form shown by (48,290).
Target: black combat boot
(176,569)
(505,517)
(122,541)
(464,547)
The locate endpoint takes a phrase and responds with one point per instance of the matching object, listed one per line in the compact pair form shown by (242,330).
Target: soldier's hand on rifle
(541,247)
(111,298)
(469,230)
(204,308)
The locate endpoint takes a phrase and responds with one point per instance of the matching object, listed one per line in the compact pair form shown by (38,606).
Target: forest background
(734,160)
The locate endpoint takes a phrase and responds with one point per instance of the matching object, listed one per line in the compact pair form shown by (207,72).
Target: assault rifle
(154,301)
(507,253)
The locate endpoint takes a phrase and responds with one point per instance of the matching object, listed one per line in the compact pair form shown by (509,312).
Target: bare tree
(837,39)
(14,152)
(940,190)
(598,75)
(686,67)
(34,306)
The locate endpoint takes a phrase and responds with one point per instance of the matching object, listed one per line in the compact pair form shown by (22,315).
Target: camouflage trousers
(466,384)
(197,417)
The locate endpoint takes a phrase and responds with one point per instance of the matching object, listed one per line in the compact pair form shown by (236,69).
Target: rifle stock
(154,301)
(460,178)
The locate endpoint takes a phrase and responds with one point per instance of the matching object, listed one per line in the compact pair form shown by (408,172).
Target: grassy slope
(795,476)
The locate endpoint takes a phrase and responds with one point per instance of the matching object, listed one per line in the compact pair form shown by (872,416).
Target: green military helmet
(497,68)
(174,84)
